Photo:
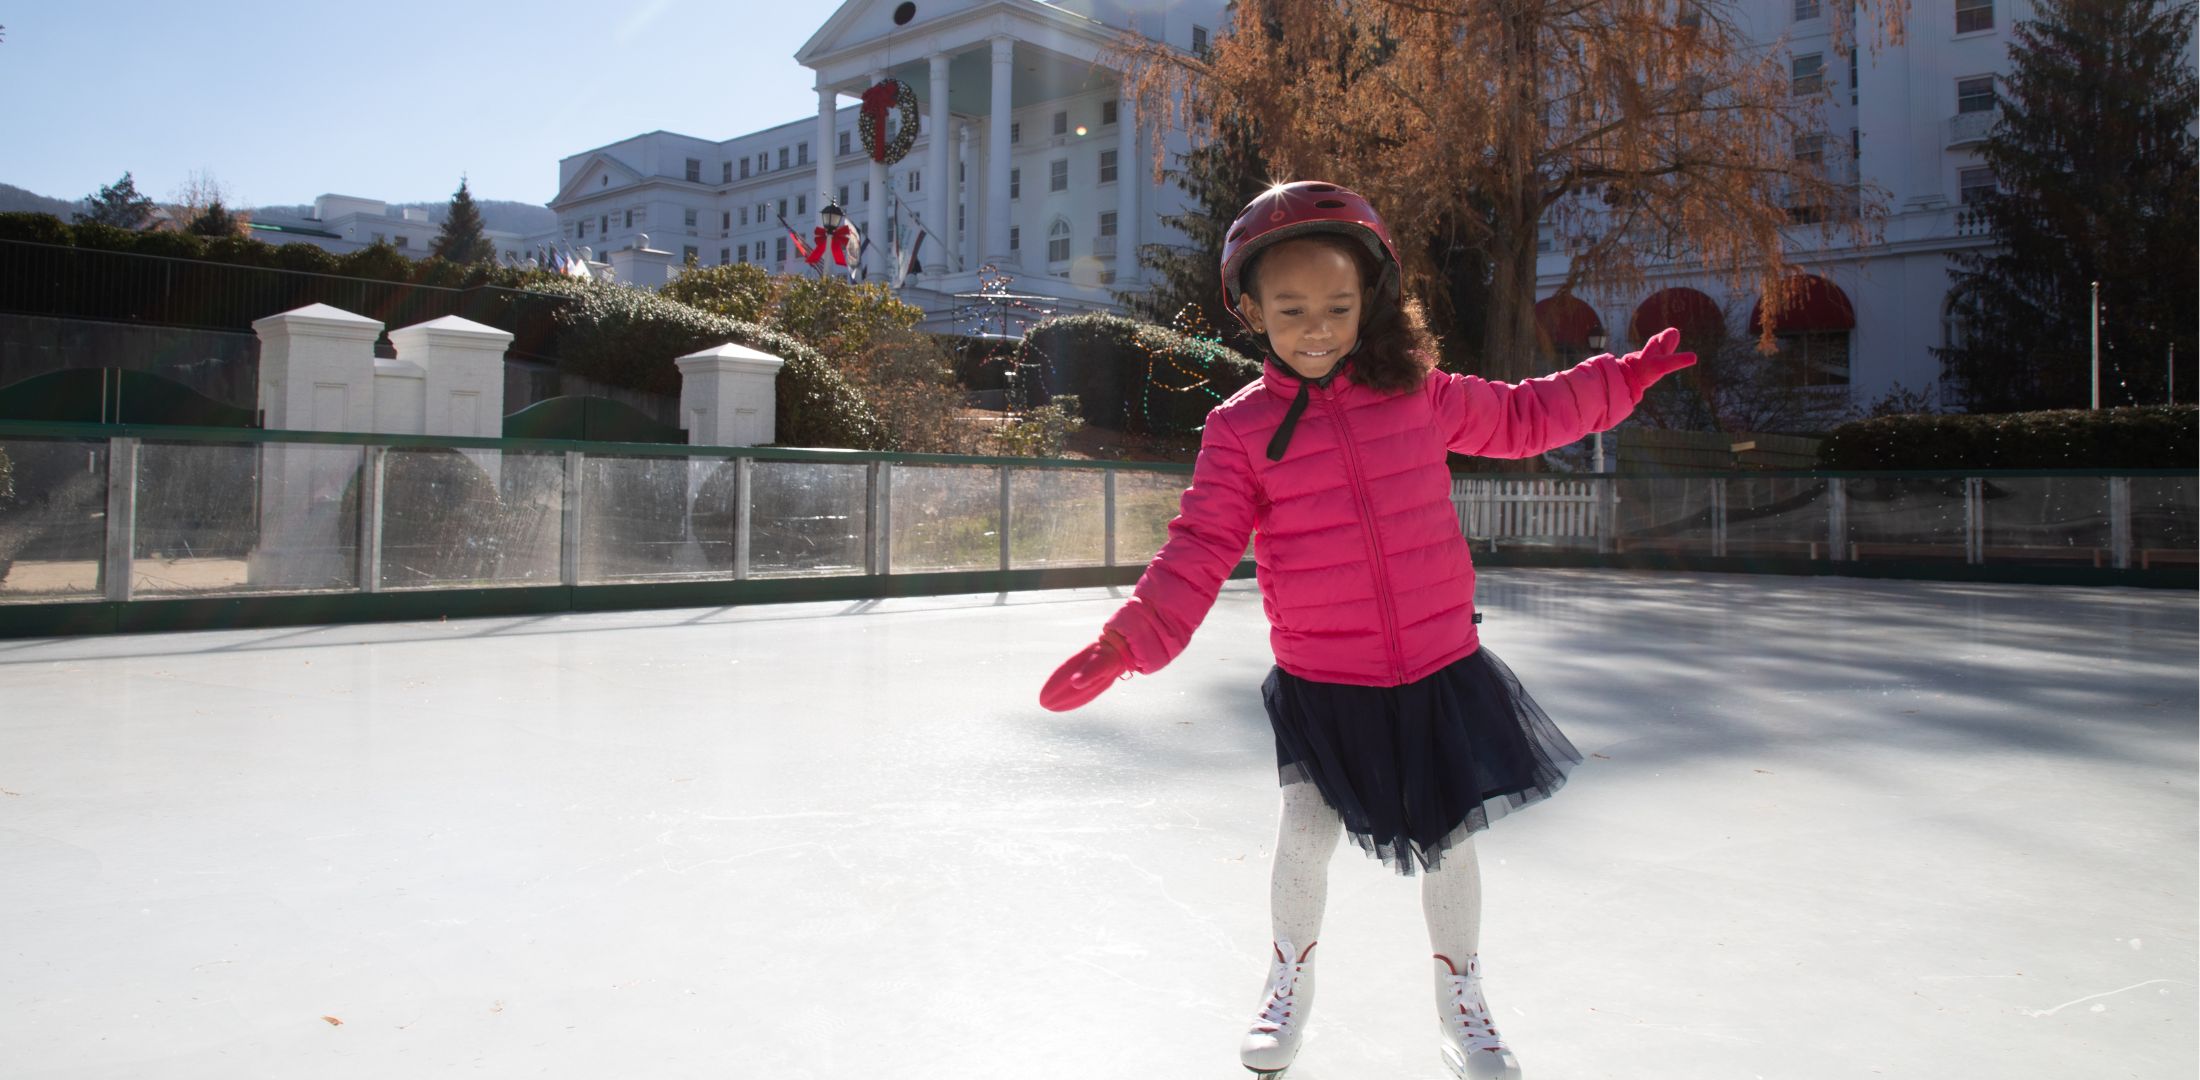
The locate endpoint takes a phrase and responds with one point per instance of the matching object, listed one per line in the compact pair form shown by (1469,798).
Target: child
(1391,722)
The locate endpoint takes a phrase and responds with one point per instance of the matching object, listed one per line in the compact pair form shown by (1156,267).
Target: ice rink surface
(1826,828)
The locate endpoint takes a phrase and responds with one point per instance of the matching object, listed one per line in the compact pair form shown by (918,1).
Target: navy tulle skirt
(1413,769)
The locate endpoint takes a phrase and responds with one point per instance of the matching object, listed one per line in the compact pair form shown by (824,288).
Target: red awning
(1697,315)
(1812,304)
(1566,322)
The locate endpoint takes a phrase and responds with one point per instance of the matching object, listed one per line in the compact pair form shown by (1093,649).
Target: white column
(939,177)
(1129,173)
(880,252)
(828,144)
(464,365)
(996,155)
(728,396)
(964,188)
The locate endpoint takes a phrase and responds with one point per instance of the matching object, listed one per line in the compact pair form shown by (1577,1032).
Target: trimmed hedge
(628,337)
(1133,376)
(2146,437)
(377,262)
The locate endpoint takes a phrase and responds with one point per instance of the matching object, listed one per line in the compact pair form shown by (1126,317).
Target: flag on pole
(909,264)
(801,250)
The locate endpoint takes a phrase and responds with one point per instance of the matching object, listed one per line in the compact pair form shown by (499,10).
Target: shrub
(35,229)
(1133,376)
(1041,432)
(909,380)
(171,245)
(737,291)
(837,318)
(2146,437)
(628,337)
(376,262)
(304,257)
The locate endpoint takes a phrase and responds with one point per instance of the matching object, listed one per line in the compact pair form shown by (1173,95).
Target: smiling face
(1306,295)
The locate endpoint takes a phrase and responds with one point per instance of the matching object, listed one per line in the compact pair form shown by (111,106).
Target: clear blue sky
(283,101)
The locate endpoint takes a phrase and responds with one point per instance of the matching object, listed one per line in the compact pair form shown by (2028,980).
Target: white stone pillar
(880,201)
(965,186)
(317,369)
(828,144)
(316,374)
(940,181)
(464,364)
(1129,173)
(996,156)
(728,396)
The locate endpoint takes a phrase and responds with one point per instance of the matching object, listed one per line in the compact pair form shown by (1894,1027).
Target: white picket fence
(1499,510)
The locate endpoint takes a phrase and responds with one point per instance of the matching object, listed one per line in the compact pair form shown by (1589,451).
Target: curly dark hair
(1396,351)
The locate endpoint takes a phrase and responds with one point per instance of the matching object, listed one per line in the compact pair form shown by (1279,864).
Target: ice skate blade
(1480,1066)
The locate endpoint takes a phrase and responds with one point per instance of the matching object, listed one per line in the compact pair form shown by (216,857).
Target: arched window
(1812,325)
(1058,241)
(1955,333)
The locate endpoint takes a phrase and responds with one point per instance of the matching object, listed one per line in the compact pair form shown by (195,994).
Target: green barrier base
(239,612)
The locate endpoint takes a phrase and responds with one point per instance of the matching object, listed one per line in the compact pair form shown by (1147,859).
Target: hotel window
(1806,9)
(1015,238)
(603,225)
(782,249)
(763,210)
(1058,175)
(843,144)
(801,205)
(959,224)
(782,208)
(725,219)
(1807,75)
(1811,149)
(743,251)
(744,217)
(725,255)
(802,153)
(1107,113)
(1974,15)
(630,219)
(1974,184)
(1061,122)
(782,157)
(1199,42)
(694,170)
(1107,223)
(1975,94)
(1015,183)
(866,191)
(1015,131)
(688,255)
(1107,166)
(403,241)
(1852,76)
(687,218)
(582,228)
(1058,242)
(916,181)
(844,196)
(764,162)
(725,172)
(744,168)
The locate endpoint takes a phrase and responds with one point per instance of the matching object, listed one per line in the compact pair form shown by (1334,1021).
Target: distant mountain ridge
(500,215)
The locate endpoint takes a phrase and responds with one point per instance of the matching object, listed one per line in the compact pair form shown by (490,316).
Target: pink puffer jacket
(1363,571)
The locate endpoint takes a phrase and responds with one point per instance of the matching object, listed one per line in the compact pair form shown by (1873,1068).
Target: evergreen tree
(1221,177)
(2094,158)
(462,239)
(117,204)
(215,220)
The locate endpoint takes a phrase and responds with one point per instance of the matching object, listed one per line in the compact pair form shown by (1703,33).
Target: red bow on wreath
(877,102)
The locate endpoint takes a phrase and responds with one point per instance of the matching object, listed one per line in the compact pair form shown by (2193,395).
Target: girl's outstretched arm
(1517,420)
(1206,541)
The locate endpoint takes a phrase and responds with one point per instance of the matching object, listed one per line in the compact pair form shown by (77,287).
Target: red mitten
(1082,677)
(1655,361)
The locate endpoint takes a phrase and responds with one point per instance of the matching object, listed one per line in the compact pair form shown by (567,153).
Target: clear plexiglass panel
(1145,503)
(2057,520)
(53,519)
(805,518)
(1057,517)
(946,518)
(458,518)
(1905,518)
(241,518)
(636,523)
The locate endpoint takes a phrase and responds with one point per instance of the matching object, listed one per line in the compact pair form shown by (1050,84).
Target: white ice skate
(1471,1047)
(1273,1041)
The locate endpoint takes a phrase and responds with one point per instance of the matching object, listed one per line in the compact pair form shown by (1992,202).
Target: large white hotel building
(1032,159)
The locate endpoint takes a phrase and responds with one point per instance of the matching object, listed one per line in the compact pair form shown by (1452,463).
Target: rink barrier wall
(368,527)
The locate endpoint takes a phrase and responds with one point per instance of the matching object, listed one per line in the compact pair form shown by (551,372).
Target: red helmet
(1308,206)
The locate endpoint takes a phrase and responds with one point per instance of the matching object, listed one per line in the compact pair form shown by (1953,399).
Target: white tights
(1451,898)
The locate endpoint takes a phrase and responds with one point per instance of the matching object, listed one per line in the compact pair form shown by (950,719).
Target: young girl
(1391,721)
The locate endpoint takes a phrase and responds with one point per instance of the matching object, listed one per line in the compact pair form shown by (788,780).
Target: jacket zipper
(1367,532)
